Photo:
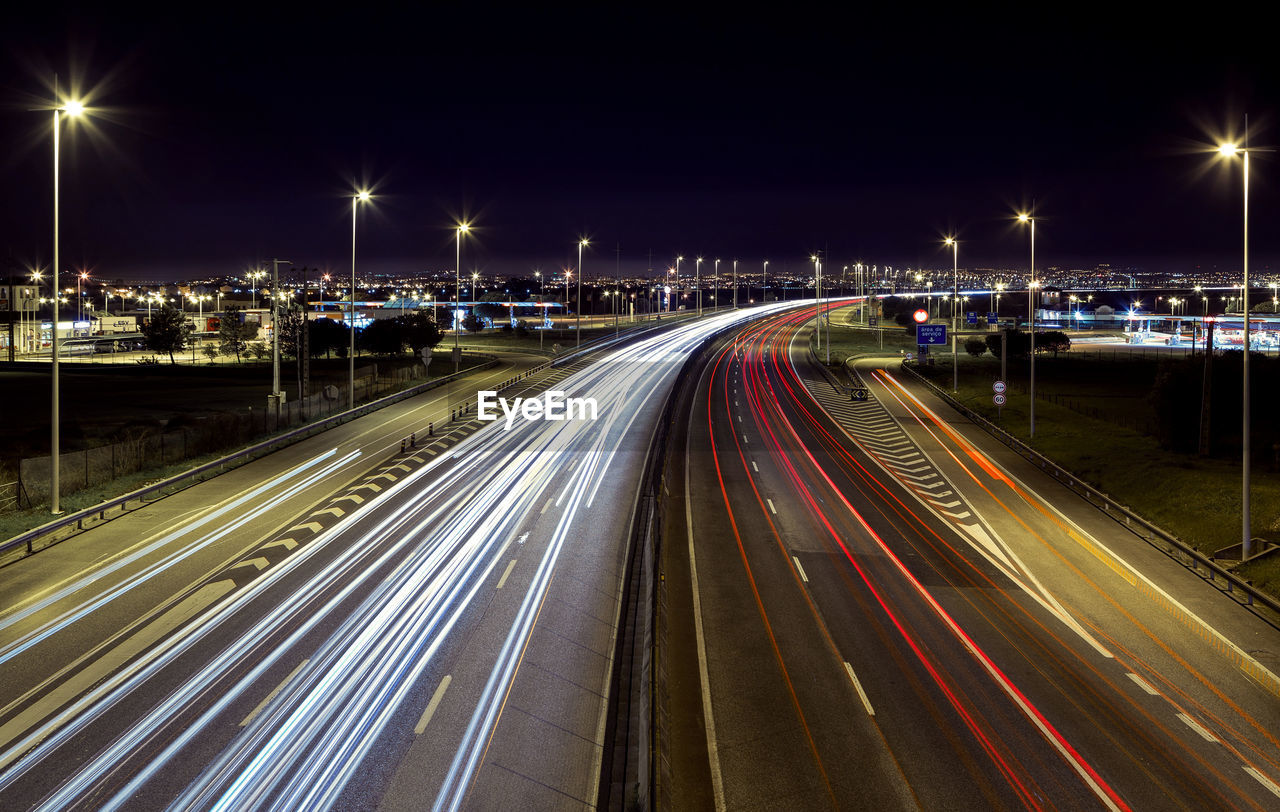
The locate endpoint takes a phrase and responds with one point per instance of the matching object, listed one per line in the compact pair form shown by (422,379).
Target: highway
(873,605)
(345,626)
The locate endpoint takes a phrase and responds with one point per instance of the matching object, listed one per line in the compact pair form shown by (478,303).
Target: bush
(975,347)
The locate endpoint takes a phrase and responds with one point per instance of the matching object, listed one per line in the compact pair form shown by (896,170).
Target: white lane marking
(800,569)
(756,467)
(523,538)
(544,507)
(739,418)
(866,703)
(1198,728)
(744,439)
(273,694)
(1143,684)
(506,573)
(1264,781)
(773,509)
(433,704)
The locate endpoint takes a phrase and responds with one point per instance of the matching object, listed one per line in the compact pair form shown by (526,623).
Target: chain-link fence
(150,449)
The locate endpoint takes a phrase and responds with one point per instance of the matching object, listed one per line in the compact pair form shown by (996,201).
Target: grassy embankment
(1093,418)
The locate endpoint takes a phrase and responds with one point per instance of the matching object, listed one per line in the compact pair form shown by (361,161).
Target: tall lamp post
(697,283)
(955,321)
(677,286)
(715,295)
(735,284)
(582,243)
(1031,307)
(764,283)
(362,196)
(72,108)
(1246,540)
(462,228)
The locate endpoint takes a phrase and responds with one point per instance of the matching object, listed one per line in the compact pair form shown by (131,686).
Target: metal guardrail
(1176,548)
(197,474)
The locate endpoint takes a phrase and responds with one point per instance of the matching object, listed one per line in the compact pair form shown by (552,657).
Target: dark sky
(232,137)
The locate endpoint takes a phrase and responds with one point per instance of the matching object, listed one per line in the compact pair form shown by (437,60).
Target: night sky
(228,139)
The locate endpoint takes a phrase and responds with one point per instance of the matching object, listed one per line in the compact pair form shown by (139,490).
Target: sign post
(998,398)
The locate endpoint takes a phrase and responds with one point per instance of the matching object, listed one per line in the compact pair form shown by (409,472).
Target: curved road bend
(890,614)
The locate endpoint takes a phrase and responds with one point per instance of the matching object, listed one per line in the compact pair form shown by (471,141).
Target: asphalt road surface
(889,610)
(342,625)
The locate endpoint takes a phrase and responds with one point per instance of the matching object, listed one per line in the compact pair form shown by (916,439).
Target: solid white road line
(866,703)
(800,570)
(434,703)
(708,716)
(273,694)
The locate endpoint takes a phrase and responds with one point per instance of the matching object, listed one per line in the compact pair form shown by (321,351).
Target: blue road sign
(931,334)
(992,318)
(971,317)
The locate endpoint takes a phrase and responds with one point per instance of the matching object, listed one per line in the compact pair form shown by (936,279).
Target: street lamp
(1031,286)
(697,283)
(1246,548)
(361,196)
(582,243)
(764,283)
(677,286)
(462,228)
(475,275)
(73,108)
(715,295)
(735,284)
(955,321)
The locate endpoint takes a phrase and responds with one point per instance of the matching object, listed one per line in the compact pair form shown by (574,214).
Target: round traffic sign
(998,387)
(998,399)
(921,316)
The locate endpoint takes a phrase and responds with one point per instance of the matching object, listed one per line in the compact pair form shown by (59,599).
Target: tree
(382,337)
(232,335)
(472,322)
(327,336)
(1054,341)
(1019,343)
(290,325)
(167,331)
(211,352)
(975,347)
(420,331)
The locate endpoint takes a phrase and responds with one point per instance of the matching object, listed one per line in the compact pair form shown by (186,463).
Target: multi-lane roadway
(888,613)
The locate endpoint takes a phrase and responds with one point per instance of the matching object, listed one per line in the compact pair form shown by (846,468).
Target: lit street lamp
(72,108)
(1246,548)
(955,301)
(361,196)
(582,243)
(735,284)
(764,283)
(462,228)
(1031,286)
(715,294)
(697,283)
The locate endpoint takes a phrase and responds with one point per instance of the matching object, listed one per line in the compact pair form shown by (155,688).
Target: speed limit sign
(998,399)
